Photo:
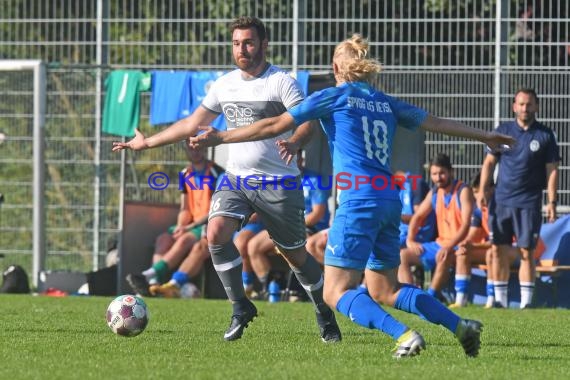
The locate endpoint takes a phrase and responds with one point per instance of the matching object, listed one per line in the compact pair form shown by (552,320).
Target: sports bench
(144,221)
(543,268)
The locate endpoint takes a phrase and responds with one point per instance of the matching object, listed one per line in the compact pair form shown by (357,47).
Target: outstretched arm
(453,128)
(260,130)
(176,132)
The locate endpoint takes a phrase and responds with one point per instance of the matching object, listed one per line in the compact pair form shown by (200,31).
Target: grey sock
(228,265)
(310,276)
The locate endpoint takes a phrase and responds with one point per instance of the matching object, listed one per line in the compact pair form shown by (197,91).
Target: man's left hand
(210,137)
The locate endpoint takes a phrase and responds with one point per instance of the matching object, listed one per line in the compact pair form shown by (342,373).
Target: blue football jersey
(360,122)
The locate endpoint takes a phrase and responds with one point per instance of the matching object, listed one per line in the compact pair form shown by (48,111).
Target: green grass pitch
(68,338)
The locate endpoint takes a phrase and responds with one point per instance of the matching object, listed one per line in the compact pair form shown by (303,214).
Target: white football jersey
(244,101)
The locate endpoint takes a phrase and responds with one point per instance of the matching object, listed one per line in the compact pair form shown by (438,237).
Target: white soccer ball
(127,315)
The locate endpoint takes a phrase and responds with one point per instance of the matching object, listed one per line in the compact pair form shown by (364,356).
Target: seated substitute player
(475,249)
(360,123)
(180,284)
(173,246)
(453,204)
(194,263)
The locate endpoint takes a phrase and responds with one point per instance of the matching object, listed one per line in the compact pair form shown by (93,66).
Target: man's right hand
(137,143)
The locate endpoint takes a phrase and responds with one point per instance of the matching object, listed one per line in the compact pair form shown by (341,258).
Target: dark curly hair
(246,22)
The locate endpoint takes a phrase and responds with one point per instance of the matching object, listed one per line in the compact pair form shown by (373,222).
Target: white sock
(501,289)
(461,286)
(527,289)
(461,299)
(150,275)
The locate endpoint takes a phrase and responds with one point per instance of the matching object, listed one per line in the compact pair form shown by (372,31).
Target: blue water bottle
(274,291)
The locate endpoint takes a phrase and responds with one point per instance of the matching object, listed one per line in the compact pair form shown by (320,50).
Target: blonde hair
(351,58)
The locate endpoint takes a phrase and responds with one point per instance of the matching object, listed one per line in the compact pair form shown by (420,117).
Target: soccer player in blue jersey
(360,122)
(515,206)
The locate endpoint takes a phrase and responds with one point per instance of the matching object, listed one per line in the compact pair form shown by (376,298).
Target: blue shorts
(428,256)
(520,223)
(365,234)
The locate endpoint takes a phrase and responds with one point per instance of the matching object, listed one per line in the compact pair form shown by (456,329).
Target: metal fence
(461,60)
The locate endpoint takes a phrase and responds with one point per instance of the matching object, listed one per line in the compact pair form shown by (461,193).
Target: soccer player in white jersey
(255,90)
(360,122)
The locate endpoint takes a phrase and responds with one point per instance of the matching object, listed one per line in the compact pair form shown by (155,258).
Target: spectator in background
(515,207)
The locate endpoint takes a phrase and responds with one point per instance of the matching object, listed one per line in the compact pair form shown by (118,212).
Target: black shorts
(507,223)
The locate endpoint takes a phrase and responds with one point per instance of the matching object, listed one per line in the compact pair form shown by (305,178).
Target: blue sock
(432,292)
(416,301)
(462,283)
(490,288)
(357,305)
(181,278)
(247,278)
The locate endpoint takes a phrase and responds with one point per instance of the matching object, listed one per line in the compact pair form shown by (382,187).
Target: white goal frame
(38,69)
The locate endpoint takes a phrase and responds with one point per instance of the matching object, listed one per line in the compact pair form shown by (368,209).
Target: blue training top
(522,168)
(412,194)
(360,123)
(315,195)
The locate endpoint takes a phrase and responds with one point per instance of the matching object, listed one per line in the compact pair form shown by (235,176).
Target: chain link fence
(462,60)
